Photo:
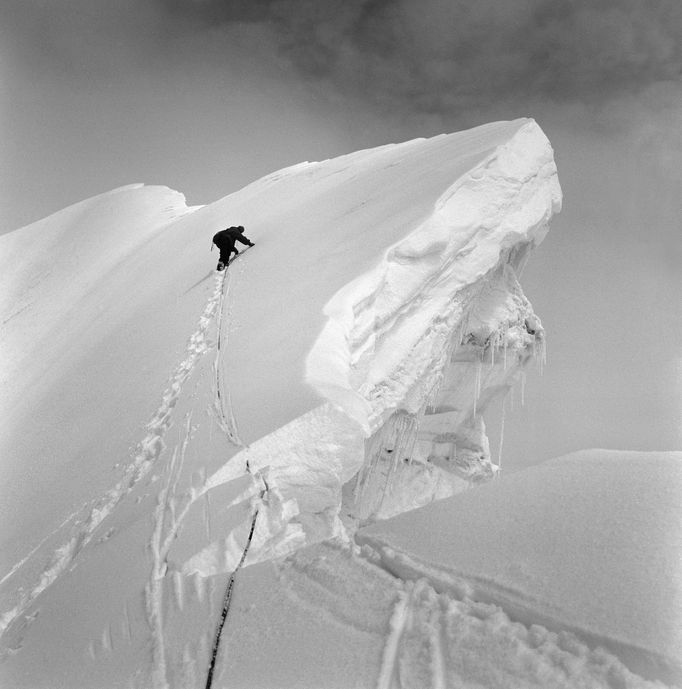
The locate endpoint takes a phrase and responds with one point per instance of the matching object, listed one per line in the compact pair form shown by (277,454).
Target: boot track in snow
(80,527)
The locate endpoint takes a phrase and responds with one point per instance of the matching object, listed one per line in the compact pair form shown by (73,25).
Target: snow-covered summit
(337,373)
(48,269)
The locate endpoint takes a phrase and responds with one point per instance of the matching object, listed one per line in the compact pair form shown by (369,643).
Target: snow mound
(588,543)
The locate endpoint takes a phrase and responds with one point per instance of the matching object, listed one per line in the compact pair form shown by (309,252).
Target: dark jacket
(225,240)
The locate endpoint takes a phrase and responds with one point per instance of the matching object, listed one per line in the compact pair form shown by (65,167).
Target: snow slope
(167,418)
(588,543)
(332,616)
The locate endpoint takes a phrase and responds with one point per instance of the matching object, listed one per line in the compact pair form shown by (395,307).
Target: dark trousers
(226,252)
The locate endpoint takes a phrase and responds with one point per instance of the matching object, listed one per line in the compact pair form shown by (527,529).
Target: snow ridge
(409,304)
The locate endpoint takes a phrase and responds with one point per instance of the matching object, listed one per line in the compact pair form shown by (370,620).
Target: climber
(225,241)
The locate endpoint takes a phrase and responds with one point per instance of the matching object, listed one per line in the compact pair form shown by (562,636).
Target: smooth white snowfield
(155,413)
(590,542)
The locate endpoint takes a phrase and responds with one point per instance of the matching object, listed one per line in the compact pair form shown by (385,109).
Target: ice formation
(417,348)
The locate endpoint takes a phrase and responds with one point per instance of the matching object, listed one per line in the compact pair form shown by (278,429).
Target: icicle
(477,383)
(542,360)
(366,475)
(475,398)
(384,490)
(460,337)
(523,262)
(411,430)
(401,430)
(499,449)
(453,346)
(523,388)
(373,462)
(364,472)
(356,487)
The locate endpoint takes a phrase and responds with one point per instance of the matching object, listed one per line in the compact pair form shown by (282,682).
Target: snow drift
(588,543)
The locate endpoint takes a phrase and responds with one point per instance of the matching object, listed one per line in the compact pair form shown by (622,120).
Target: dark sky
(204,96)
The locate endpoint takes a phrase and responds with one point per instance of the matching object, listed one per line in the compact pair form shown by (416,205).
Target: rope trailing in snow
(227,600)
(230,427)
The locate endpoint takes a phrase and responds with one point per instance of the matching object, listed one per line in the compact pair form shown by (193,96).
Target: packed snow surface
(159,420)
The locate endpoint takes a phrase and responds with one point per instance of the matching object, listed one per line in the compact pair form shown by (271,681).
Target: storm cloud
(434,56)
(440,57)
